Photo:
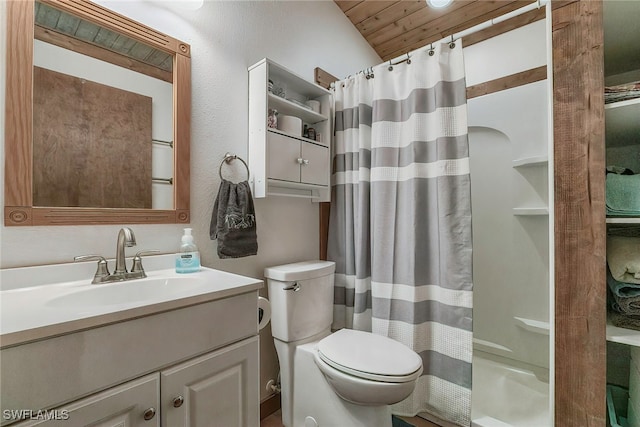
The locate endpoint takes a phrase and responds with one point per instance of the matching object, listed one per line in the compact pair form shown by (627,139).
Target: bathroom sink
(43,301)
(127,292)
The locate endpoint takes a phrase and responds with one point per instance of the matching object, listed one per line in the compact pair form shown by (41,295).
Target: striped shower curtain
(400,226)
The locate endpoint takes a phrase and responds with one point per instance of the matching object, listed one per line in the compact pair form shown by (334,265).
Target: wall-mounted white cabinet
(286,161)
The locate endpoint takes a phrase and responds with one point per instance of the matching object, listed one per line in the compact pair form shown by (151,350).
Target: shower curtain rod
(407,56)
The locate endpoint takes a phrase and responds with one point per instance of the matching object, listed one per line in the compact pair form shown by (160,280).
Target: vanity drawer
(51,372)
(124,405)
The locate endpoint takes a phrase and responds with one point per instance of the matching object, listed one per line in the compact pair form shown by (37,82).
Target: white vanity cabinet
(194,366)
(133,404)
(284,162)
(217,386)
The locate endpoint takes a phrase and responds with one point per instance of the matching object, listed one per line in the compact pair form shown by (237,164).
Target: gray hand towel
(233,221)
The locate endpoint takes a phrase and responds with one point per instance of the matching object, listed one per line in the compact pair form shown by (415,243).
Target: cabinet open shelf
(623,335)
(284,106)
(623,220)
(301,138)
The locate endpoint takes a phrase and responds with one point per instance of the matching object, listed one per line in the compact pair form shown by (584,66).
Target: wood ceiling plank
(490,14)
(473,15)
(414,20)
(505,26)
(389,16)
(346,5)
(367,9)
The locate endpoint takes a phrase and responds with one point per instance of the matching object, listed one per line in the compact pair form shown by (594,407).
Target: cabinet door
(123,406)
(283,153)
(315,165)
(219,389)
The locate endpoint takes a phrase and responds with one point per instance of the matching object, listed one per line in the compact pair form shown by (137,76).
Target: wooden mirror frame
(18,144)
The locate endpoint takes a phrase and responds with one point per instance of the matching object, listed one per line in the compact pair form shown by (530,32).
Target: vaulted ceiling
(393,28)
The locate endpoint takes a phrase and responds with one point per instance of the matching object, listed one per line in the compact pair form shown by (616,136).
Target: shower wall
(509,147)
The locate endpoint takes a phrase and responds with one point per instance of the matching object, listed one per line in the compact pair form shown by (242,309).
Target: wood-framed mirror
(28,172)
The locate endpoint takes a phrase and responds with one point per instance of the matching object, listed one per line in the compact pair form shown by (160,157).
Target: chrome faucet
(127,239)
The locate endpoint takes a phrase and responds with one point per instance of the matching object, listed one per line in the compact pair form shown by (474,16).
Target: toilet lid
(370,356)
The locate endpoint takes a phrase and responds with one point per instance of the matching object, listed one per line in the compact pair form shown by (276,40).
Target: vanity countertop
(29,313)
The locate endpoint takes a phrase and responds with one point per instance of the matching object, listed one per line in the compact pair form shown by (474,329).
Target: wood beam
(580,229)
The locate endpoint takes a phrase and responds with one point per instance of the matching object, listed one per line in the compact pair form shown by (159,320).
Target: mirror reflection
(102,117)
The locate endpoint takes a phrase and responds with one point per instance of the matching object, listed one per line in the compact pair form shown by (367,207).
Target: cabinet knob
(178,401)
(149,413)
(305,161)
(300,160)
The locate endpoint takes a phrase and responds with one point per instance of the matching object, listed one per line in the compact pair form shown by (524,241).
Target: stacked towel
(623,279)
(622,321)
(621,92)
(623,258)
(233,221)
(623,194)
(626,296)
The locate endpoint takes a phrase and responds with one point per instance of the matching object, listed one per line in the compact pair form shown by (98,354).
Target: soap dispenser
(188,257)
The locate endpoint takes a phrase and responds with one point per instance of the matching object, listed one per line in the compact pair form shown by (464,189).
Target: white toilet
(348,378)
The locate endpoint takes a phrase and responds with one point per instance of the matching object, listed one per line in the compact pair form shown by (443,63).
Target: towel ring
(228,158)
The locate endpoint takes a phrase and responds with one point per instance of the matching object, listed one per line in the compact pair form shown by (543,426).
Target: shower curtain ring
(431,51)
(452,44)
(390,66)
(408,58)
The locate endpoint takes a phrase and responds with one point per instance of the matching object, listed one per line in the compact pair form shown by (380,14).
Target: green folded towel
(623,194)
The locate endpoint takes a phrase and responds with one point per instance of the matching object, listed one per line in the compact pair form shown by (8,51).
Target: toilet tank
(301,296)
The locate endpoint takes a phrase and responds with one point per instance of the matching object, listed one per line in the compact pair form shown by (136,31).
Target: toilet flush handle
(295,287)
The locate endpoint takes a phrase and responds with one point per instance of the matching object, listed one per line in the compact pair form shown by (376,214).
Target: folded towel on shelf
(622,289)
(623,258)
(626,305)
(624,321)
(621,92)
(620,170)
(623,194)
(233,221)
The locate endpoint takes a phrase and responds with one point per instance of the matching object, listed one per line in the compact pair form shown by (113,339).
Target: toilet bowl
(332,379)
(368,369)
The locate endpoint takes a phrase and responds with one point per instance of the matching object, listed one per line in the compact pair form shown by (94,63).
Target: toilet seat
(370,357)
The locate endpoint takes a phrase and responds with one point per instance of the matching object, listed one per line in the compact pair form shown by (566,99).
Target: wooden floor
(274,420)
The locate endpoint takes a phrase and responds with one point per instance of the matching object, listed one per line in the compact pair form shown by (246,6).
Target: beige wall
(226,37)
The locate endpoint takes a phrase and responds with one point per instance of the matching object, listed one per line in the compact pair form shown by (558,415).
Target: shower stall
(510,143)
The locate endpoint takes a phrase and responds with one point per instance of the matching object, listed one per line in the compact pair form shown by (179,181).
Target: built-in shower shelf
(623,335)
(531,211)
(535,326)
(531,161)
